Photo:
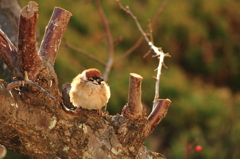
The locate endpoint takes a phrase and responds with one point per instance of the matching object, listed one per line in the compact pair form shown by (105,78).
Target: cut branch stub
(53,34)
(158,114)
(134,107)
(30,60)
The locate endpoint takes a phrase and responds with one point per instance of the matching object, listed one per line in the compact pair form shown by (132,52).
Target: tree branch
(90,56)
(160,10)
(140,39)
(53,34)
(158,114)
(41,133)
(29,58)
(160,54)
(8,53)
(128,11)
(138,42)
(109,39)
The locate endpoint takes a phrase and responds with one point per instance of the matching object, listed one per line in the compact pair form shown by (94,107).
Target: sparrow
(89,90)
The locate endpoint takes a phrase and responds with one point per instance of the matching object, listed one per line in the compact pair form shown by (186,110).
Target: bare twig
(27,81)
(160,64)
(140,39)
(150,31)
(127,10)
(8,53)
(151,38)
(109,39)
(149,51)
(160,10)
(159,53)
(90,56)
(130,50)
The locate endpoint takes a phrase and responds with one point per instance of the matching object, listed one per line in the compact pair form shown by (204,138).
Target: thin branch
(140,39)
(27,81)
(160,64)
(159,53)
(149,51)
(128,11)
(134,107)
(53,34)
(8,53)
(160,10)
(90,56)
(30,60)
(127,53)
(150,31)
(109,39)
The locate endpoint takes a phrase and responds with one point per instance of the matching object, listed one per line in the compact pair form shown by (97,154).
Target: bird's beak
(99,80)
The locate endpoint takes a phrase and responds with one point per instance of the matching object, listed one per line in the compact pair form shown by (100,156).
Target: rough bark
(29,59)
(35,125)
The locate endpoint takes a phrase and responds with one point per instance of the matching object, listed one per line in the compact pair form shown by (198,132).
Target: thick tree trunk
(35,124)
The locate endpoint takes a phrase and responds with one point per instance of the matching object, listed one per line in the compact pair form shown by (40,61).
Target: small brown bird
(89,90)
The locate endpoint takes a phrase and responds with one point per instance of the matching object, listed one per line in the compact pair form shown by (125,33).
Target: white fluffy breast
(89,95)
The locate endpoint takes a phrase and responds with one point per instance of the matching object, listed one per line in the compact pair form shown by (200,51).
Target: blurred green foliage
(203,75)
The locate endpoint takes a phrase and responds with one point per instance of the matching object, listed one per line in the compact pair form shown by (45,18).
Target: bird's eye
(90,79)
(99,81)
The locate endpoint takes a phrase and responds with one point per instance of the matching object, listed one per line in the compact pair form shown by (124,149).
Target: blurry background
(202,79)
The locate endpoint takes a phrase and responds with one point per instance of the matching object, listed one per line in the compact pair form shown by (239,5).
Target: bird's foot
(99,112)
